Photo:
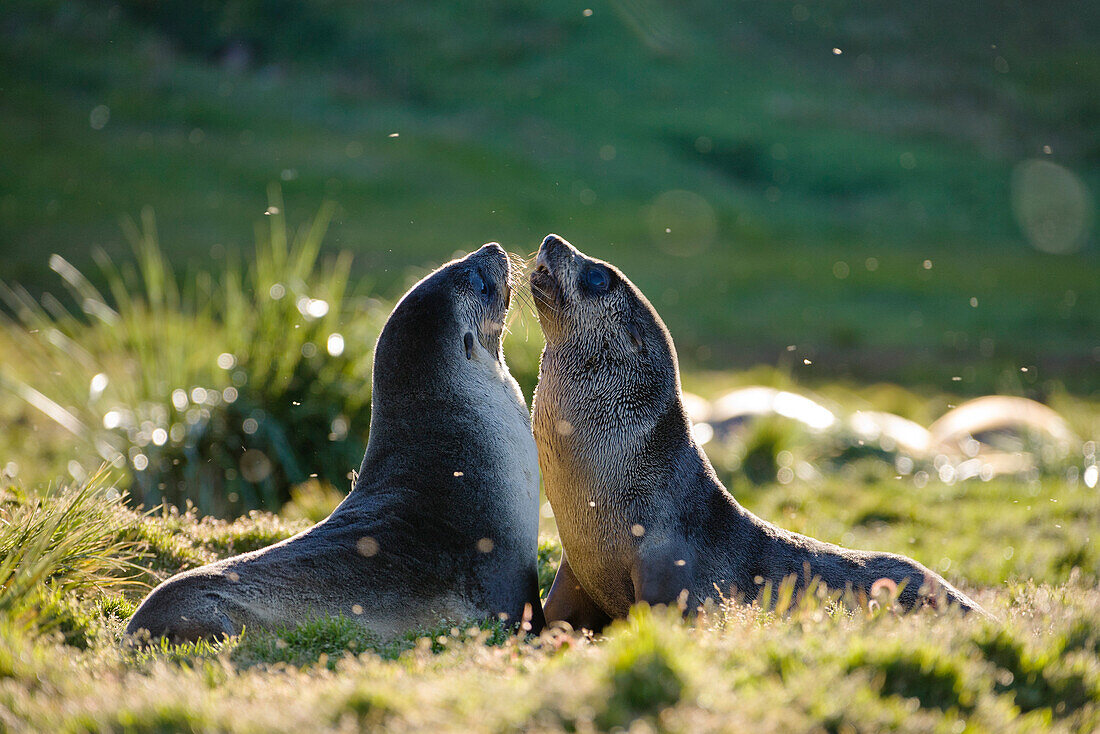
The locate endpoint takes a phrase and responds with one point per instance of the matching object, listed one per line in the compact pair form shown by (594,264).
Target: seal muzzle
(490,281)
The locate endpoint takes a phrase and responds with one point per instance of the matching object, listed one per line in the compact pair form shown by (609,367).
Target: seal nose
(491,248)
(550,247)
(492,254)
(553,242)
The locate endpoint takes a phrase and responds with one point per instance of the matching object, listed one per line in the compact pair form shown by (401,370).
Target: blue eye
(597,279)
(479,285)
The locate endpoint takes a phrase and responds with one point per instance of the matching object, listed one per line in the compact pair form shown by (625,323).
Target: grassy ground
(819,183)
(813,667)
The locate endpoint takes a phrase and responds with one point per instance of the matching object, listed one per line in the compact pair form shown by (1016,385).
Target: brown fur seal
(442,523)
(641,513)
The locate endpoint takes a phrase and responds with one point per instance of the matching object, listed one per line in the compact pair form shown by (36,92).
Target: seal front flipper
(537,619)
(662,573)
(569,602)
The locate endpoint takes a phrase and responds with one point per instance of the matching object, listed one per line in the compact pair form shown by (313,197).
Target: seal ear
(633,325)
(468,341)
(635,333)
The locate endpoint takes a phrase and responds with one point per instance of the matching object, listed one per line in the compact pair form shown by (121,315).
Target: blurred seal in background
(641,513)
(442,523)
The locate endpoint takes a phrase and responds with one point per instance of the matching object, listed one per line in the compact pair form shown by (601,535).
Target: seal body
(641,512)
(442,523)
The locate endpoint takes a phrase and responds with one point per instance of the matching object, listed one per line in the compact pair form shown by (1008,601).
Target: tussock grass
(66,543)
(225,389)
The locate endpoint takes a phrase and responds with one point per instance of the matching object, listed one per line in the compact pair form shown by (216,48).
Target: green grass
(815,667)
(522,119)
(225,389)
(60,550)
(827,181)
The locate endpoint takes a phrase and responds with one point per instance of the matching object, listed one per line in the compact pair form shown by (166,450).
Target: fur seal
(442,522)
(641,512)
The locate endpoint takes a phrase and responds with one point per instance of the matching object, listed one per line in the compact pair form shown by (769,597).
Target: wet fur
(450,461)
(616,451)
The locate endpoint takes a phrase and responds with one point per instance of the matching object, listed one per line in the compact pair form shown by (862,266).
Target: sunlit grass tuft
(226,390)
(66,543)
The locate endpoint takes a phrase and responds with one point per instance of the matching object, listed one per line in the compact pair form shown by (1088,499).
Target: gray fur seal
(641,513)
(442,522)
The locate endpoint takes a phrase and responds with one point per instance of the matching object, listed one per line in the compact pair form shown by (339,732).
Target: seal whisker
(519,262)
(523,291)
(516,314)
(522,315)
(517,269)
(545,300)
(525,296)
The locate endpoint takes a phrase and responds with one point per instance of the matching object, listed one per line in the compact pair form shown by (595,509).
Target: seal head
(641,512)
(442,522)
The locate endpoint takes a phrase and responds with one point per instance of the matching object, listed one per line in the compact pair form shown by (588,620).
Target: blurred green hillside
(858,180)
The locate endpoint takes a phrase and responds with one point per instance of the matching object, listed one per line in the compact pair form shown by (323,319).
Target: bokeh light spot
(255,466)
(367,546)
(1052,206)
(681,223)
